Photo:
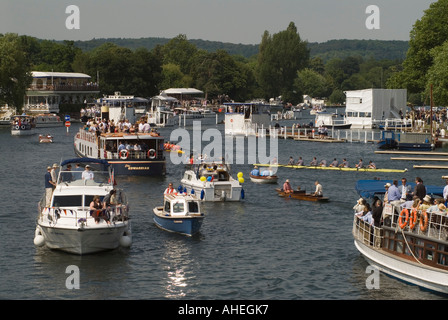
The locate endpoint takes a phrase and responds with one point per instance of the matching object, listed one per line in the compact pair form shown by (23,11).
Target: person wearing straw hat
(287,187)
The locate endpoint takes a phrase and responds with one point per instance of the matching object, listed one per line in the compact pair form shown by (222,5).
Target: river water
(263,248)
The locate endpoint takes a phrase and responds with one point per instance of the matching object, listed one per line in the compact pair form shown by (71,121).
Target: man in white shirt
(405,190)
(318,192)
(87,174)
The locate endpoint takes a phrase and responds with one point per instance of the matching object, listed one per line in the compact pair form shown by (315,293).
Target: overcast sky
(235,21)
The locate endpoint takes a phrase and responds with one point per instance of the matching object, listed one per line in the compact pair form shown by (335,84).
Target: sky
(234,21)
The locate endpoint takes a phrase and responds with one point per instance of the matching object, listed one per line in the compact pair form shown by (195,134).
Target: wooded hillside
(377,49)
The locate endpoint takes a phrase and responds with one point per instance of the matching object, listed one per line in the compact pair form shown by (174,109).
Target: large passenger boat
(69,224)
(48,120)
(129,153)
(408,244)
(23,125)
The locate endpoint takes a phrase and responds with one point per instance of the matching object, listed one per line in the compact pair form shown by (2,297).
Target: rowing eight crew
(335,163)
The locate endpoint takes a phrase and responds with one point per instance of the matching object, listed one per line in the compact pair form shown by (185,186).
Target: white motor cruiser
(212,181)
(68,223)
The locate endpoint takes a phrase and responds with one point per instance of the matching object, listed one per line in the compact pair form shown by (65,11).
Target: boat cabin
(181,205)
(246,118)
(213,172)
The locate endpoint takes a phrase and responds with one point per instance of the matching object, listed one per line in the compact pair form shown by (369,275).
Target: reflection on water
(179,266)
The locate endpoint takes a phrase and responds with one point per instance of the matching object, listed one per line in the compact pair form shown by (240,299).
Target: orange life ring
(424,221)
(413,218)
(402,223)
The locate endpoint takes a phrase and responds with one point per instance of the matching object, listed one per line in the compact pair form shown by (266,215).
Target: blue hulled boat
(180,213)
(406,141)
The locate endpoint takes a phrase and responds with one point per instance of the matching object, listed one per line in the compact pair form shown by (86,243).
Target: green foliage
(437,75)
(15,74)
(121,69)
(280,65)
(367,49)
(312,83)
(428,34)
(279,59)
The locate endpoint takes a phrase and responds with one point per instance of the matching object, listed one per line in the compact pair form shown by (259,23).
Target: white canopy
(41,74)
(181,91)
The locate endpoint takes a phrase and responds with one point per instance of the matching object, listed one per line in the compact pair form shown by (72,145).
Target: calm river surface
(264,248)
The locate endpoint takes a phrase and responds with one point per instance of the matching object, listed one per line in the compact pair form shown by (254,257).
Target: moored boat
(180,213)
(301,195)
(129,153)
(212,181)
(407,244)
(23,125)
(69,224)
(405,141)
(47,120)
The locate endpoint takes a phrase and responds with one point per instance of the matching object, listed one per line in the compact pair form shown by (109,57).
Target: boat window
(68,201)
(193,207)
(89,198)
(178,207)
(442,256)
(167,206)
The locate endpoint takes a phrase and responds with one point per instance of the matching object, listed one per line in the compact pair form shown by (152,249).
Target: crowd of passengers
(401,197)
(109,126)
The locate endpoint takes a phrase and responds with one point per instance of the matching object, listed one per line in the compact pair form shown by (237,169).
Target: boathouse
(369,107)
(50,89)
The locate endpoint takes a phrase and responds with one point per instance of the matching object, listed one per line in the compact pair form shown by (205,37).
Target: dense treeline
(376,49)
(282,66)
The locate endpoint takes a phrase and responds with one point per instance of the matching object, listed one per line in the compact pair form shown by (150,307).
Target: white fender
(39,239)
(126,239)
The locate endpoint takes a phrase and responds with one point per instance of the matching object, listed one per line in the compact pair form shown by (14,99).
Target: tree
(172,77)
(428,33)
(54,56)
(121,69)
(311,83)
(219,73)
(437,75)
(179,51)
(15,73)
(279,59)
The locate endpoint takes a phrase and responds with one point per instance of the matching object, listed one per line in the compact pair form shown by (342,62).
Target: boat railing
(131,154)
(74,178)
(367,233)
(429,223)
(83,216)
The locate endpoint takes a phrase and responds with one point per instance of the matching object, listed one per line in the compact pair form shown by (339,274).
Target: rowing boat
(331,168)
(263,179)
(301,195)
